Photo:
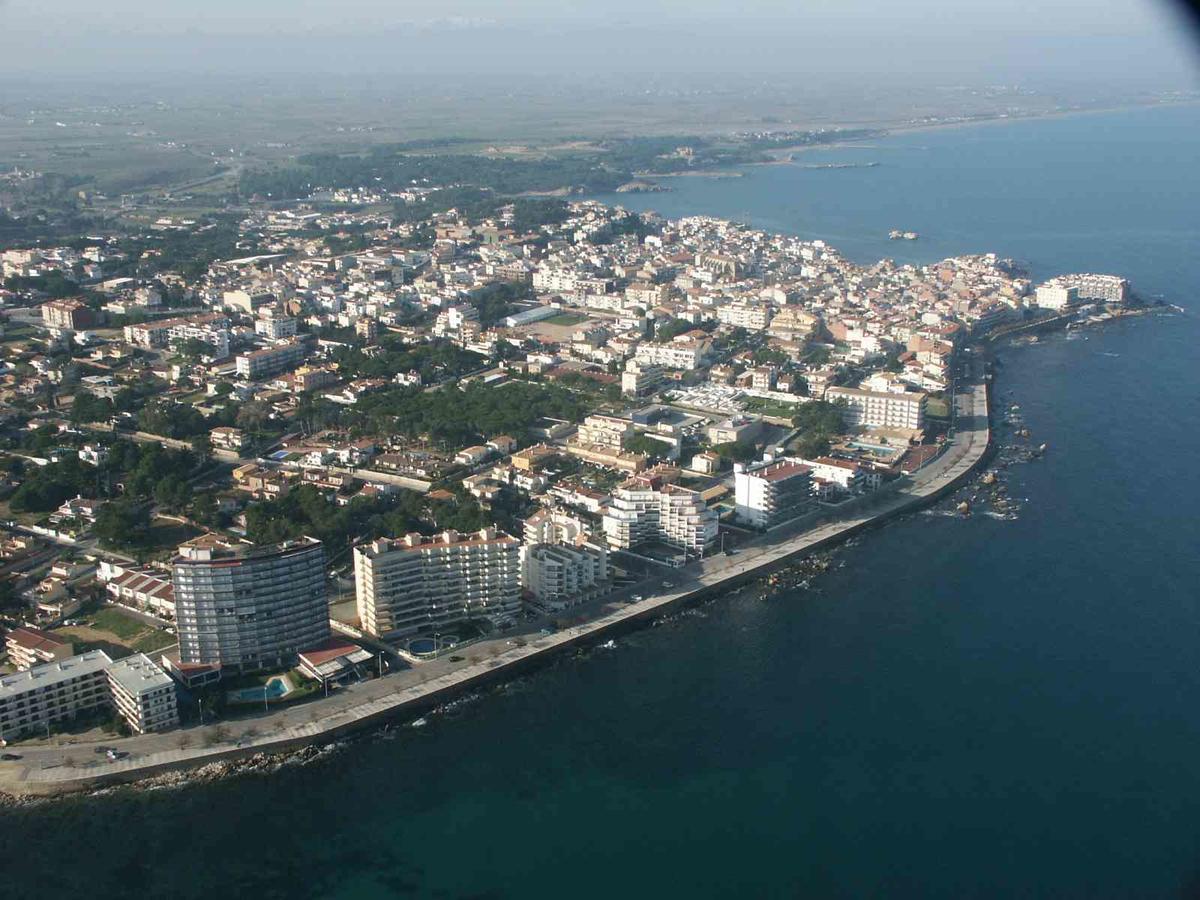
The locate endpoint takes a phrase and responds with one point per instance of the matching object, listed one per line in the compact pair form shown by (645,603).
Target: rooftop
(138,673)
(35,639)
(214,547)
(52,673)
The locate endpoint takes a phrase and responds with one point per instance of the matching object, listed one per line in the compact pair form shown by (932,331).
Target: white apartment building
(210,328)
(451,321)
(1067,289)
(548,526)
(846,474)
(605,431)
(555,281)
(1109,288)
(269,361)
(1056,296)
(642,511)
(414,583)
(276,328)
(143,694)
(640,379)
(875,409)
(751,316)
(53,692)
(557,576)
(686,352)
(772,491)
(29,647)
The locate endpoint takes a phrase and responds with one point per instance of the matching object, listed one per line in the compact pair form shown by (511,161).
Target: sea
(959,708)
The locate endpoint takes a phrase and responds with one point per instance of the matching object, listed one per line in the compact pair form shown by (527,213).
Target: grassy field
(565,318)
(772,408)
(937,408)
(167,534)
(117,622)
(117,632)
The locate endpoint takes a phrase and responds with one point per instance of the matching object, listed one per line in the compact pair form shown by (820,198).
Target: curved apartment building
(246,606)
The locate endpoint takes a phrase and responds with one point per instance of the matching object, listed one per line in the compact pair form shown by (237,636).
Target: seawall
(714,577)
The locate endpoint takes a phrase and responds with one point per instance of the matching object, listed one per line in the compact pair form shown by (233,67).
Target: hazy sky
(982,40)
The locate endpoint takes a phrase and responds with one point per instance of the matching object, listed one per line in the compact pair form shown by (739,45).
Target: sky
(932,40)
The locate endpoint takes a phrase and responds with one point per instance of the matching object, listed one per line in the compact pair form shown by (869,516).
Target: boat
(897,235)
(419,723)
(608,645)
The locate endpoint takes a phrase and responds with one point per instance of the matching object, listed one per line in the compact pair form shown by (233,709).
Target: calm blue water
(967,709)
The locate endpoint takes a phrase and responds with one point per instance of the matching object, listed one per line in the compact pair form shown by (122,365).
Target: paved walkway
(48,769)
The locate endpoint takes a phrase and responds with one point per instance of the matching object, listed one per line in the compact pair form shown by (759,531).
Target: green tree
(122,523)
(173,493)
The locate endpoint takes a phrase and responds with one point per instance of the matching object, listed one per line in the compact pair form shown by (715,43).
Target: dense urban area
(380,409)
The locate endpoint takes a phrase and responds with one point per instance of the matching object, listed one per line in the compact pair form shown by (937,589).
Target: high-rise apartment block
(414,583)
(247,606)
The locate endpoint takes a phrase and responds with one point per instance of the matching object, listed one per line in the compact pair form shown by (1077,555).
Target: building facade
(878,409)
(643,510)
(415,583)
(249,607)
(52,693)
(67,315)
(557,576)
(772,492)
(143,694)
(270,361)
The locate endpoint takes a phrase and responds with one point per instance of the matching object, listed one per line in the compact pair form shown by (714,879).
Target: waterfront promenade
(47,769)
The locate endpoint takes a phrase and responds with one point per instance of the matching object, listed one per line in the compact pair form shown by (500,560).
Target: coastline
(384,700)
(886,130)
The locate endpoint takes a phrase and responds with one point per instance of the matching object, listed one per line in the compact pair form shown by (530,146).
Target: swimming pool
(272,690)
(427,646)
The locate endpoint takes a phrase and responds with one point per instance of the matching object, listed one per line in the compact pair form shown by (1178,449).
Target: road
(49,768)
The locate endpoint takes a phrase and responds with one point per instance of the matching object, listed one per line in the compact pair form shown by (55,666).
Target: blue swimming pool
(427,646)
(272,690)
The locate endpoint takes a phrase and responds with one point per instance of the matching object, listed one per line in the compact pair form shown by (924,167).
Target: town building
(557,576)
(143,694)
(686,351)
(259,364)
(249,607)
(52,693)
(142,588)
(1056,296)
(771,492)
(208,328)
(225,437)
(547,526)
(414,583)
(751,316)
(880,409)
(641,379)
(67,315)
(28,647)
(276,327)
(848,475)
(644,510)
(605,431)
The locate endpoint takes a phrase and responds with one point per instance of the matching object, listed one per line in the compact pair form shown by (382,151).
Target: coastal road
(50,768)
